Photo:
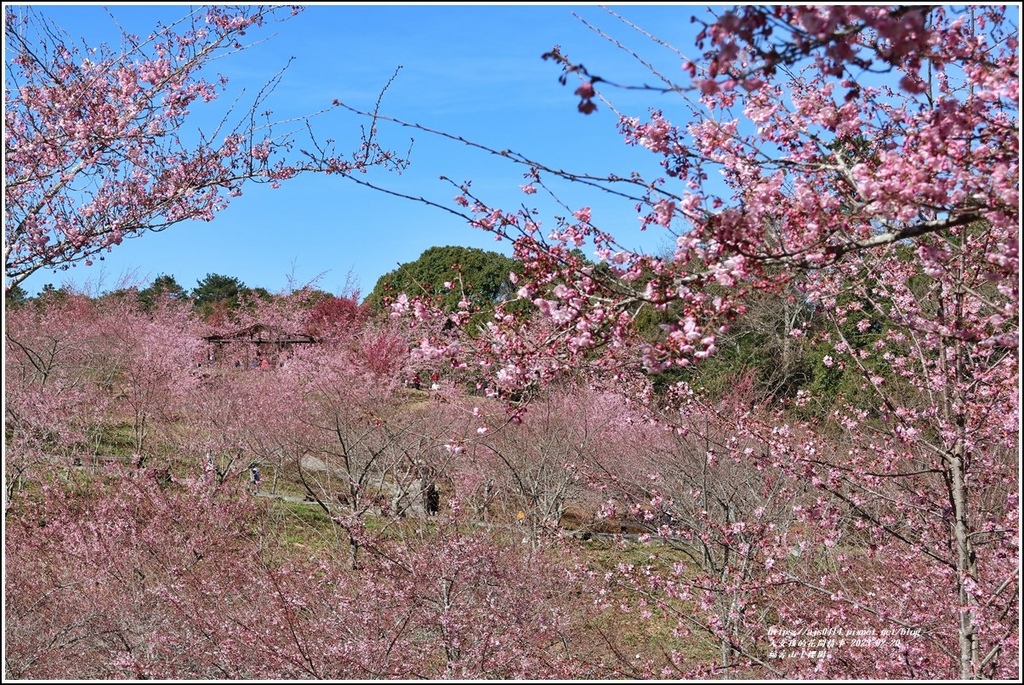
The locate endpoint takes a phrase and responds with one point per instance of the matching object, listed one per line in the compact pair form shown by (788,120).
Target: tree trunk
(966,566)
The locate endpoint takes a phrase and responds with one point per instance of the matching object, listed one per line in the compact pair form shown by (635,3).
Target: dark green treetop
(445,275)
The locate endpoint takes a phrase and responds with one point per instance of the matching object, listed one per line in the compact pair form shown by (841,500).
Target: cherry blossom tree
(790,148)
(99,141)
(366,451)
(119,574)
(535,463)
(468,604)
(674,472)
(332,415)
(154,357)
(58,386)
(866,158)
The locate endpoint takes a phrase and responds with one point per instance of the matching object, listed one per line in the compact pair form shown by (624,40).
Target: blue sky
(471,70)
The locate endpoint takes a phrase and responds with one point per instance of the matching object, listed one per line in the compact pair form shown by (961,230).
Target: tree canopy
(162,286)
(97,141)
(449,275)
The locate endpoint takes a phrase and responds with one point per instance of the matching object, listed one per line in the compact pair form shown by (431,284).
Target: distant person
(256,479)
(432,499)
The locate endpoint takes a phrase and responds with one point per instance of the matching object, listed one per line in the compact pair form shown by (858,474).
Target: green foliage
(162,286)
(860,321)
(761,342)
(115,297)
(217,288)
(481,276)
(218,295)
(15,297)
(758,344)
(50,295)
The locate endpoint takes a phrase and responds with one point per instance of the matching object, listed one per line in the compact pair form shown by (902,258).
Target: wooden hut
(255,345)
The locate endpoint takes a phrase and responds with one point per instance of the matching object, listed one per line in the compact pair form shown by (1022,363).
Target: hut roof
(261,333)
